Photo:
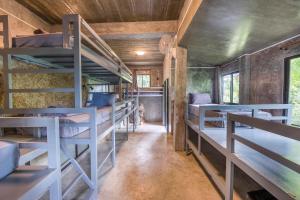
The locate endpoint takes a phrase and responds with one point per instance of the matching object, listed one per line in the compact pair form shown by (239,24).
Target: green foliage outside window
(236,87)
(226,88)
(230,88)
(294,90)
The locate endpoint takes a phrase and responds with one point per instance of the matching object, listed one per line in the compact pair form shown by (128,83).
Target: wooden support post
(180,93)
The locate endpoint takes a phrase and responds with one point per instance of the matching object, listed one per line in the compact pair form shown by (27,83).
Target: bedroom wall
(262,73)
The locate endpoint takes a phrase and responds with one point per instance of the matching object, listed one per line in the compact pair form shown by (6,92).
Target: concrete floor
(147,168)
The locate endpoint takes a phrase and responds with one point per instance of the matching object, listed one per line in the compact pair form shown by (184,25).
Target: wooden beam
(180,100)
(186,16)
(122,30)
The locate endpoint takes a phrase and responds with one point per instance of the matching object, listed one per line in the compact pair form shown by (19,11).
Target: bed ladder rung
(69,188)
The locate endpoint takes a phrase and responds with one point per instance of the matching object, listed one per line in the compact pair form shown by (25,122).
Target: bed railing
(74,26)
(254,109)
(232,159)
(52,181)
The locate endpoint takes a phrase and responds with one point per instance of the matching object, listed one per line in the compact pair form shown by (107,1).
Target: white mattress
(40,40)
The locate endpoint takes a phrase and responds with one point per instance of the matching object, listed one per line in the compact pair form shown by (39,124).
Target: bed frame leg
(55,191)
(113,157)
(93,148)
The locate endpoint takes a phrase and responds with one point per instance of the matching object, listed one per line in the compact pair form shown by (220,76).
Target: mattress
(9,157)
(194,111)
(103,114)
(40,40)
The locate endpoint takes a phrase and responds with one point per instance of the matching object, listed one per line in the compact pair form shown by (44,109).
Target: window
(230,89)
(143,80)
(293,89)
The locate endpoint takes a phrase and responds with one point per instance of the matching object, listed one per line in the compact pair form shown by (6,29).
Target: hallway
(147,168)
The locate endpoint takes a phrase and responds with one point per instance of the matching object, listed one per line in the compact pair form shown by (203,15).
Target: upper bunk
(77,49)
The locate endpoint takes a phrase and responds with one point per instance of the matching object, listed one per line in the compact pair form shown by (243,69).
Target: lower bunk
(260,158)
(85,127)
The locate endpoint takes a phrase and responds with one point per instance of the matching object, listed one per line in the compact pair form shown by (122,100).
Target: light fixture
(140,53)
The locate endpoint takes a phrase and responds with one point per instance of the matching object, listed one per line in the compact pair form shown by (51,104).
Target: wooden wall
(262,73)
(156,73)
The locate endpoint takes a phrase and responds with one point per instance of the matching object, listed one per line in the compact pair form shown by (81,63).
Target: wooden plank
(186,16)
(119,29)
(180,93)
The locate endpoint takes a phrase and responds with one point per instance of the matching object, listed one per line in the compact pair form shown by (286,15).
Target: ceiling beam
(186,16)
(125,30)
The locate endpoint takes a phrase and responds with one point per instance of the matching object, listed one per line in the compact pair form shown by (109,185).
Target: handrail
(272,128)
(103,44)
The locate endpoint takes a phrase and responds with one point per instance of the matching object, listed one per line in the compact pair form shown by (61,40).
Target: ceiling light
(140,53)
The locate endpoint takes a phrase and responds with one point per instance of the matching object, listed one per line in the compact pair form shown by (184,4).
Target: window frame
(287,80)
(231,87)
(143,79)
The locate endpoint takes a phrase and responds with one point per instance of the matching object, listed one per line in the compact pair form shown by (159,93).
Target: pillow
(199,98)
(101,100)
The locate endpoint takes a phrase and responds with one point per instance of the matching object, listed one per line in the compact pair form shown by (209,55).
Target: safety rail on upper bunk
(30,182)
(253,108)
(87,56)
(232,159)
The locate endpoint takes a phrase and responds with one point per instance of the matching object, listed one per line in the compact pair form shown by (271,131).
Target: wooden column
(180,98)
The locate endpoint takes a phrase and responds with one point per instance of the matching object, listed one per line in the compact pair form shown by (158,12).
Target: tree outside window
(294,90)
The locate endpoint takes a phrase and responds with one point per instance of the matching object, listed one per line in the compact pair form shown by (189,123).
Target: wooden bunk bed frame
(31,182)
(98,62)
(234,143)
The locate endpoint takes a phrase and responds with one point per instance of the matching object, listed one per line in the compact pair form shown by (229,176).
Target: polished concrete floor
(147,168)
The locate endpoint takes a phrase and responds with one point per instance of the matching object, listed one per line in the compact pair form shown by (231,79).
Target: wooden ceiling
(98,11)
(126,50)
(109,11)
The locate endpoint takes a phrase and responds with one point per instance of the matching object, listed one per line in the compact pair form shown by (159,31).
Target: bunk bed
(18,181)
(78,51)
(257,148)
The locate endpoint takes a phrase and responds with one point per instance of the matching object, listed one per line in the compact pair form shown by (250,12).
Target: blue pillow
(100,100)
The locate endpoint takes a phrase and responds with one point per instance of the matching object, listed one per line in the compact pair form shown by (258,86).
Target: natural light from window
(230,90)
(143,80)
(294,90)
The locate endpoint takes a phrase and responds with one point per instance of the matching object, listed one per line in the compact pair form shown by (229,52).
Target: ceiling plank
(130,28)
(187,14)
